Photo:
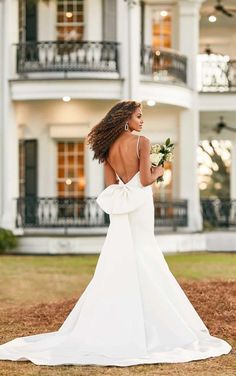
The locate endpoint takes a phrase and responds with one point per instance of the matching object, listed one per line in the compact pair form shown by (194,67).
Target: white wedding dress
(133,311)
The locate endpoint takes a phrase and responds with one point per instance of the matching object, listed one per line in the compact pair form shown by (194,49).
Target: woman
(115,146)
(133,311)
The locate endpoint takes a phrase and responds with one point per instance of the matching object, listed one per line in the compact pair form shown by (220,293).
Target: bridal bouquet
(161,153)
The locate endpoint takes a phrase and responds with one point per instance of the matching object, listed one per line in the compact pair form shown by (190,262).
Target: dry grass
(213,299)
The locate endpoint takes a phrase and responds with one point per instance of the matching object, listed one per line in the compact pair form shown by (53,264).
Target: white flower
(155,148)
(156,158)
(169,157)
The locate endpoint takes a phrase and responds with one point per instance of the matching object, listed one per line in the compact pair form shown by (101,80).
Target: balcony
(216,73)
(163,65)
(67,56)
(52,212)
(95,65)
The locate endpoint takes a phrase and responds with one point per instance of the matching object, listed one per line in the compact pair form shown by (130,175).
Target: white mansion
(64,63)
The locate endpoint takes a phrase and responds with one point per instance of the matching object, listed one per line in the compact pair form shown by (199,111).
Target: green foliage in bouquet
(7,240)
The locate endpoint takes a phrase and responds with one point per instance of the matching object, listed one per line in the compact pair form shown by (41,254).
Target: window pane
(71,146)
(60,187)
(61,173)
(61,146)
(71,172)
(80,160)
(70,160)
(80,147)
(60,160)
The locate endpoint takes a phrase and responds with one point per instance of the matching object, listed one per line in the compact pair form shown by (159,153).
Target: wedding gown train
(133,311)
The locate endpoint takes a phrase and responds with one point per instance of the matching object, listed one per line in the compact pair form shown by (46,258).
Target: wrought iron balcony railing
(216,73)
(172,214)
(163,65)
(48,212)
(219,212)
(68,56)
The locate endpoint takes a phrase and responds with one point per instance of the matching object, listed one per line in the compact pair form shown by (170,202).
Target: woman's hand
(157,171)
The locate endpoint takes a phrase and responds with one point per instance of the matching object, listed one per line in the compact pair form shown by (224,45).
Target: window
(161,28)
(70,20)
(70,169)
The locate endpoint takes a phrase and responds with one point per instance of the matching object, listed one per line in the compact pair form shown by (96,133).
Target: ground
(38,292)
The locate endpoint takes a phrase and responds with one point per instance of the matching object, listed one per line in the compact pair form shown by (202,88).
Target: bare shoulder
(145,142)
(144,138)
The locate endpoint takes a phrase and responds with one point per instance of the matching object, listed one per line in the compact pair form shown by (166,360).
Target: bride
(133,311)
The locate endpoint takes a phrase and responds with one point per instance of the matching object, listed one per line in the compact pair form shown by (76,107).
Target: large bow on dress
(122,198)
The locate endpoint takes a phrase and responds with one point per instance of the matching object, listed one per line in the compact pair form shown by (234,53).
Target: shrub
(7,240)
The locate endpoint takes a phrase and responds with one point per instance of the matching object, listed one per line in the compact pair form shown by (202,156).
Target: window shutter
(31,21)
(31,182)
(30,168)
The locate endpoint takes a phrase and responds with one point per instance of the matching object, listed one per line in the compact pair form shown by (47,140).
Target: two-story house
(63,64)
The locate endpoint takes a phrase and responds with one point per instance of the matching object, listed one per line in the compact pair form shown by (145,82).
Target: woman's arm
(110,175)
(148,174)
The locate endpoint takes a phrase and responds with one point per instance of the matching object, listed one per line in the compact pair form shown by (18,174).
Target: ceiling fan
(222,125)
(219,7)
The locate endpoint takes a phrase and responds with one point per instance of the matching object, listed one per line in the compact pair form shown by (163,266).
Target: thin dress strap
(137,149)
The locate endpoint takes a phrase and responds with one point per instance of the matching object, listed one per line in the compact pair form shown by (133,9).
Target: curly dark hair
(104,134)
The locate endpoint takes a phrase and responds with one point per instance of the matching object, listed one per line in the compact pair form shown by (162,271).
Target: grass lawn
(38,292)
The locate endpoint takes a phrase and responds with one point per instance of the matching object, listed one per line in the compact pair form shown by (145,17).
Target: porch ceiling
(209,119)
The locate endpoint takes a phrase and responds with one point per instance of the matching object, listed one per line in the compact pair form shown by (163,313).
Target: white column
(233,169)
(47,18)
(122,39)
(93,20)
(188,183)
(188,40)
(9,150)
(147,24)
(174,27)
(134,44)
(128,35)
(94,175)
